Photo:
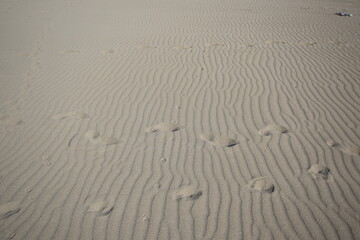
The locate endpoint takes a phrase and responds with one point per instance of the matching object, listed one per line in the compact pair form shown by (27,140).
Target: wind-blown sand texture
(103,105)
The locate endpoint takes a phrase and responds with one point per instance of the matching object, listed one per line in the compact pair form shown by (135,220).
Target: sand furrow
(221,112)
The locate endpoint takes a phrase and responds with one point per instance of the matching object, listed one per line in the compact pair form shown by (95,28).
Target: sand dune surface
(179,119)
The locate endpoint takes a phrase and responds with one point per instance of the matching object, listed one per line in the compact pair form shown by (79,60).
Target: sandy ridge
(224,84)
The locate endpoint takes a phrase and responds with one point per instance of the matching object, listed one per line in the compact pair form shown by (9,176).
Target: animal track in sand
(78,115)
(187,193)
(319,171)
(9,209)
(273,128)
(351,150)
(101,207)
(262,184)
(164,126)
(222,141)
(96,138)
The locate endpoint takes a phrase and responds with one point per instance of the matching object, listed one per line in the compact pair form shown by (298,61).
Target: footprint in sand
(144,218)
(78,115)
(101,207)
(9,121)
(222,141)
(187,193)
(8,236)
(9,209)
(96,138)
(351,150)
(319,171)
(157,186)
(270,129)
(165,126)
(262,184)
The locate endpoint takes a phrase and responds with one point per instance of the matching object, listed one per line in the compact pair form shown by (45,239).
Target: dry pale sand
(179,119)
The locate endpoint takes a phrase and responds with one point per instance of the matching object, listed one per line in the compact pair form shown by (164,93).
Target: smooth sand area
(179,119)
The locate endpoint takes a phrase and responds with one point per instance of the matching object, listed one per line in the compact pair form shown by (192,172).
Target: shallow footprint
(10,121)
(351,150)
(144,218)
(262,184)
(78,115)
(9,209)
(222,141)
(101,207)
(164,126)
(273,128)
(187,193)
(95,137)
(319,171)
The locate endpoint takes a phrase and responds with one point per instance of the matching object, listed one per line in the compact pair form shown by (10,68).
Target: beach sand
(179,119)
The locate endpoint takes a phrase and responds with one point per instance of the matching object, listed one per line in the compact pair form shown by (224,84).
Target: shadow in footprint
(319,171)
(273,128)
(222,141)
(262,184)
(187,193)
(164,126)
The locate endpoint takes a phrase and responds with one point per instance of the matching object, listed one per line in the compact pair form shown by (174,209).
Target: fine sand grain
(179,119)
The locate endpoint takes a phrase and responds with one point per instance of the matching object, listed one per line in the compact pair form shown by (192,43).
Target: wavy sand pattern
(104,106)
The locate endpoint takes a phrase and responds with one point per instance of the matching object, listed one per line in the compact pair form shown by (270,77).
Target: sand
(179,119)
